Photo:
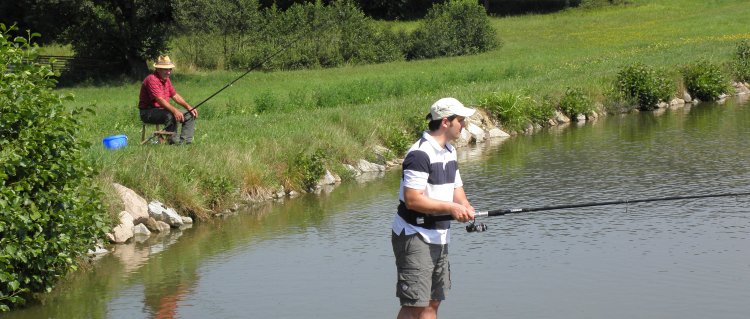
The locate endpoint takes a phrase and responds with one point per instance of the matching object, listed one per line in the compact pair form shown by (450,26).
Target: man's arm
(178,98)
(165,104)
(459,196)
(415,199)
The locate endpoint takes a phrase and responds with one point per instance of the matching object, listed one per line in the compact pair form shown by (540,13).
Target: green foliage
(265,102)
(307,169)
(600,3)
(705,80)
(50,212)
(119,36)
(399,138)
(218,191)
(308,35)
(741,63)
(575,101)
(458,27)
(643,85)
(515,110)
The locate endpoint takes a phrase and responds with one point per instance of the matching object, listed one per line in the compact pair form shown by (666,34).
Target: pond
(329,256)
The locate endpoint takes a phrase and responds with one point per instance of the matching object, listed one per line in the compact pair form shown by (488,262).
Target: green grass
(343,111)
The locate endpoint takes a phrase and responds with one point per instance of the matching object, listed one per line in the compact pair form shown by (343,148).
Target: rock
(496,132)
(551,122)
(560,118)
(476,131)
(723,96)
(662,105)
(327,179)
(353,169)
(187,220)
(151,224)
(162,227)
(134,204)
(365,167)
(580,118)
(173,218)
(463,139)
(293,193)
(124,231)
(97,251)
(741,89)
(592,116)
(157,210)
(381,154)
(141,230)
(687,98)
(676,101)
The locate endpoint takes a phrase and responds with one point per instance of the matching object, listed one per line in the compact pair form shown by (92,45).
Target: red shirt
(154,87)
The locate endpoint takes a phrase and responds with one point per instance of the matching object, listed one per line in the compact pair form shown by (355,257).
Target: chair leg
(143,133)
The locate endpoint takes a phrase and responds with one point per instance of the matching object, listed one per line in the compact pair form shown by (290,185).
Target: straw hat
(163,62)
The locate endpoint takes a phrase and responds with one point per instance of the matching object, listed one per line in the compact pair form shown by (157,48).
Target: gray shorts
(424,273)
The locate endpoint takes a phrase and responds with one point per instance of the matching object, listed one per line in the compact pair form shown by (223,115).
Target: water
(330,256)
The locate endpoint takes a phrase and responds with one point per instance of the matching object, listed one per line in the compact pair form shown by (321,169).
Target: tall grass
(248,136)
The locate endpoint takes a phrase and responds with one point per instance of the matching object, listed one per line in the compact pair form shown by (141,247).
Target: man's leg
(187,131)
(415,286)
(429,312)
(161,116)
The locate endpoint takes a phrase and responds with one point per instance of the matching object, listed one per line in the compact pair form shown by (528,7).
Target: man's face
(455,126)
(164,73)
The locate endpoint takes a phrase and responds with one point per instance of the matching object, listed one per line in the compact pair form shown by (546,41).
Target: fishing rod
(472,227)
(252,68)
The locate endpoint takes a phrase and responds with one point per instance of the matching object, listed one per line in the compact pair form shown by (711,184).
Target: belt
(418,219)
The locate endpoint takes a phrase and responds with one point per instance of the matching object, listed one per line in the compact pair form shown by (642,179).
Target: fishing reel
(473,227)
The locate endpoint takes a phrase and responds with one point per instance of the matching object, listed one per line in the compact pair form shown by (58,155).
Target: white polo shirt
(434,169)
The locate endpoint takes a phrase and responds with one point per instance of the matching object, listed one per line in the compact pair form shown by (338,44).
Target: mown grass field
(346,111)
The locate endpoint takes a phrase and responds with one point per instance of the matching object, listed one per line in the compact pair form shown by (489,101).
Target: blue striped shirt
(434,169)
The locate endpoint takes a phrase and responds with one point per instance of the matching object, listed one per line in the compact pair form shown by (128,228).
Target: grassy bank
(250,136)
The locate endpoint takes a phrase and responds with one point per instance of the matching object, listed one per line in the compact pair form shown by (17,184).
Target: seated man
(154,105)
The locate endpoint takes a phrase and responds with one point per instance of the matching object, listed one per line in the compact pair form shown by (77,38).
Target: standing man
(430,185)
(154,105)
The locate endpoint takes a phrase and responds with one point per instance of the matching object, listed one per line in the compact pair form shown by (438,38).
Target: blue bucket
(115,141)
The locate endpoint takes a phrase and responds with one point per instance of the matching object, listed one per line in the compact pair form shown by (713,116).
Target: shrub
(575,102)
(50,211)
(457,27)
(742,61)
(643,86)
(307,169)
(516,110)
(705,80)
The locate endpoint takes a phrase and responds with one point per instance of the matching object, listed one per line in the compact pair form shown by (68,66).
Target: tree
(122,34)
(231,19)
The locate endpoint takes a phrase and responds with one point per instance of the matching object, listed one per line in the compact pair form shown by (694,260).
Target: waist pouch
(418,219)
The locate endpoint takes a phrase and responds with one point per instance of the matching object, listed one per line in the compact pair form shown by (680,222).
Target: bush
(457,27)
(50,212)
(742,61)
(705,80)
(516,110)
(575,102)
(643,86)
(307,169)
(312,35)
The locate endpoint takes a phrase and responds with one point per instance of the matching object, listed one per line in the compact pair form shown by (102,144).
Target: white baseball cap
(449,106)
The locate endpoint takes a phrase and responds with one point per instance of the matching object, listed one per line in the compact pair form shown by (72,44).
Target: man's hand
(193,112)
(178,116)
(462,213)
